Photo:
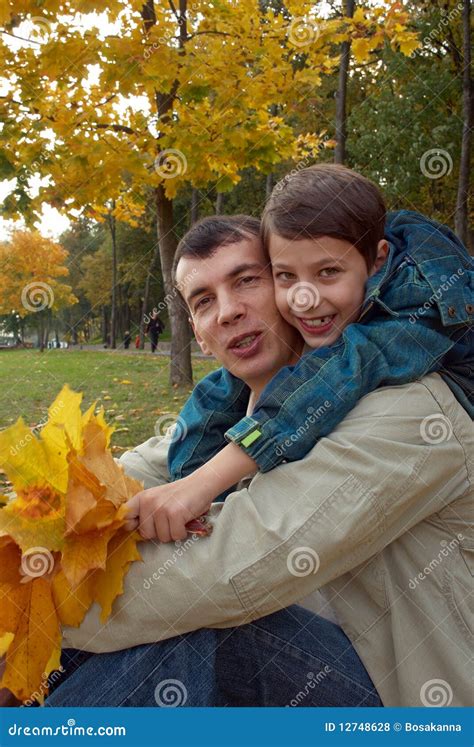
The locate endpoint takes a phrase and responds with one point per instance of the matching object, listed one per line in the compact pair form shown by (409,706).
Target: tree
(30,270)
(341,133)
(405,115)
(461,216)
(207,74)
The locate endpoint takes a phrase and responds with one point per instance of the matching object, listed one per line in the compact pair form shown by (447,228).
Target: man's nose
(230,310)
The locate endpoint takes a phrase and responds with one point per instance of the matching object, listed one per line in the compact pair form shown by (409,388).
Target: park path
(162,350)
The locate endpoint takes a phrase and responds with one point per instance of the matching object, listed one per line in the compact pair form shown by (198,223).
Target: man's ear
(199,339)
(382,253)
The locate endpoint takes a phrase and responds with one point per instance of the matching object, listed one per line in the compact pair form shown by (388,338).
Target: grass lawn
(133,389)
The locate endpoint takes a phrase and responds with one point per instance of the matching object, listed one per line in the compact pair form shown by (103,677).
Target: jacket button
(470,308)
(452,311)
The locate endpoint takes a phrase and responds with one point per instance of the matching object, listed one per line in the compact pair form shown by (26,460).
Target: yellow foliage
(30,268)
(206,98)
(62,541)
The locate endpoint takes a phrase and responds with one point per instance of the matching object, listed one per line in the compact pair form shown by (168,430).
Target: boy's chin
(313,342)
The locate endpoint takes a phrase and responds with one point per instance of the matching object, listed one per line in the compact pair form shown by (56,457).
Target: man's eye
(202,302)
(248,279)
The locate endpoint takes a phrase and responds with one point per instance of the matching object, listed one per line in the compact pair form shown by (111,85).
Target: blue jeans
(290,658)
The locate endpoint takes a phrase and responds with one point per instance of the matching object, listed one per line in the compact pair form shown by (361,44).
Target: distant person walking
(127,339)
(154,328)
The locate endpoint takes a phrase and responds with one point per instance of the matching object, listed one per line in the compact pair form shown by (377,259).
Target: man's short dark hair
(327,200)
(210,233)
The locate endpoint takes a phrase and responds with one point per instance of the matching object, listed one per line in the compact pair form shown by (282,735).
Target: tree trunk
(105,325)
(341,94)
(181,372)
(194,205)
(113,309)
(461,213)
(146,310)
(219,203)
(269,183)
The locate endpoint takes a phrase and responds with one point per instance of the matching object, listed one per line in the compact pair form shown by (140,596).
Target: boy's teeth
(318,322)
(246,341)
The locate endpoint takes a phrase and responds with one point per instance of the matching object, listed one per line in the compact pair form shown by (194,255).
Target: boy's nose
(303,296)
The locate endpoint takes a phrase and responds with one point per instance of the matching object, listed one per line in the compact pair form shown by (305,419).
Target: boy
(374,307)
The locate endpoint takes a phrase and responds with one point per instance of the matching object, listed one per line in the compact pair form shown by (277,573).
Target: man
(376,515)
(154,328)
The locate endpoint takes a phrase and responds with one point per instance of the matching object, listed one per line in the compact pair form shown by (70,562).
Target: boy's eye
(285,276)
(329,272)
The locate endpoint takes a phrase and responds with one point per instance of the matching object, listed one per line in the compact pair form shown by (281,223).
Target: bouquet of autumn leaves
(63,544)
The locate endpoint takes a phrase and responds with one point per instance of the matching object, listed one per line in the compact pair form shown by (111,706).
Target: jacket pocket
(452,288)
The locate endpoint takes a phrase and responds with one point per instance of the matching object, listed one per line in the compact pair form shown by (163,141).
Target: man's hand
(163,512)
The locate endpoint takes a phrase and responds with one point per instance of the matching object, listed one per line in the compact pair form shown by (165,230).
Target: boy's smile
(320,284)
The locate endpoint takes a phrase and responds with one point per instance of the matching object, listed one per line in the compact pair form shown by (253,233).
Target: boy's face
(320,284)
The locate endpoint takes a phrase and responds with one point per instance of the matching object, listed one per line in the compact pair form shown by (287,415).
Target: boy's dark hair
(327,200)
(212,232)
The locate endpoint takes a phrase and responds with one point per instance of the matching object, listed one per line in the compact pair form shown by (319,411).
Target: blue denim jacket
(416,318)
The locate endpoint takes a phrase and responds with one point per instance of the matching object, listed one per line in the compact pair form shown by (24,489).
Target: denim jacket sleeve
(218,401)
(418,309)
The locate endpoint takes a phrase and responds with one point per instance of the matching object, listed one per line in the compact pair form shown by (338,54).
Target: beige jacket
(379,514)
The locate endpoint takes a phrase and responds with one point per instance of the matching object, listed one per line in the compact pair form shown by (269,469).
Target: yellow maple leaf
(122,551)
(360,49)
(36,638)
(71,603)
(408,43)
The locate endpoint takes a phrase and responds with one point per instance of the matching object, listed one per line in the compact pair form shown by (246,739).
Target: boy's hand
(163,512)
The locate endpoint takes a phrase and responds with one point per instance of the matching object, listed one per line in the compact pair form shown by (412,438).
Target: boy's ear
(382,253)
(199,339)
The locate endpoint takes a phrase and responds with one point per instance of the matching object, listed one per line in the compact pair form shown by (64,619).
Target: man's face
(231,300)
